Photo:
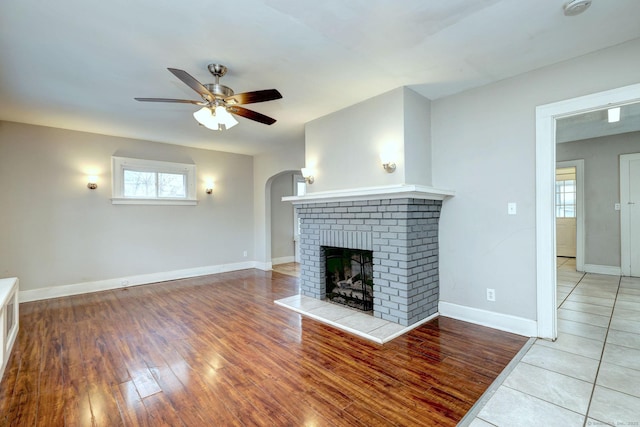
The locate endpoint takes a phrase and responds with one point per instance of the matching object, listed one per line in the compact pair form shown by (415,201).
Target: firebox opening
(349,277)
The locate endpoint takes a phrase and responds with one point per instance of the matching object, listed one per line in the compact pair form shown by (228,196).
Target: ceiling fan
(219,102)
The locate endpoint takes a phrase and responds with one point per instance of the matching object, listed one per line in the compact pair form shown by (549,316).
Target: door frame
(580,230)
(625,232)
(546,116)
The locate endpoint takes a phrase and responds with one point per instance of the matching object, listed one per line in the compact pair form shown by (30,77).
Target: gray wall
(281,217)
(55,231)
(601,191)
(483,146)
(266,167)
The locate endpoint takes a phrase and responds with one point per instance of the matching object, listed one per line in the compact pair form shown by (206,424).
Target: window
(150,182)
(566,198)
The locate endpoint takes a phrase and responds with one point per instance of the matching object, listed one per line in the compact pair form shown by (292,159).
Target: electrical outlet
(512,208)
(491,294)
(124,283)
(244,254)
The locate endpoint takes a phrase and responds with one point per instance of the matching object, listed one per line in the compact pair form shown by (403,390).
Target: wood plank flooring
(216,351)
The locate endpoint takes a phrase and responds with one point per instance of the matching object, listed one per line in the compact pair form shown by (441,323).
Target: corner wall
(344,148)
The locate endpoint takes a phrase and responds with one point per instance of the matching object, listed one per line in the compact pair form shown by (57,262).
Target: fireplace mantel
(373,193)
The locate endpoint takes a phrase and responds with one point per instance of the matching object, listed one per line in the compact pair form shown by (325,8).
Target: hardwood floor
(216,351)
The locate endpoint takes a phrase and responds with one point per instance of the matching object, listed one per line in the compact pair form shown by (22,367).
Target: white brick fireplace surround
(399,224)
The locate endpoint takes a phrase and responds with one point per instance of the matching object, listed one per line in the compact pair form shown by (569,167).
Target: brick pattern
(403,235)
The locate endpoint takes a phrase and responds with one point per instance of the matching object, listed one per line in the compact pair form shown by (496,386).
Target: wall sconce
(387,157)
(307,174)
(389,167)
(208,188)
(92,183)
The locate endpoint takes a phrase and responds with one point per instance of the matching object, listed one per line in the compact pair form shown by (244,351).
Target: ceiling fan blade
(253,97)
(192,83)
(181,101)
(252,115)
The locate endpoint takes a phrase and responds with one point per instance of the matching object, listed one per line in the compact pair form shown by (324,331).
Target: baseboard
(264,266)
(283,260)
(503,322)
(128,281)
(609,270)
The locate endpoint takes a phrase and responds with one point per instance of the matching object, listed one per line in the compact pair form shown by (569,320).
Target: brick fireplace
(399,225)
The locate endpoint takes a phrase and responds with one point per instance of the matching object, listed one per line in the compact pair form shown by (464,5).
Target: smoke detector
(576,7)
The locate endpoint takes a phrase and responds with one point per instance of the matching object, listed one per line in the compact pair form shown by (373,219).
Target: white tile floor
(353,321)
(590,376)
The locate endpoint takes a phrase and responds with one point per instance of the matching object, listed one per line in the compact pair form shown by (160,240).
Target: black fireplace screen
(349,277)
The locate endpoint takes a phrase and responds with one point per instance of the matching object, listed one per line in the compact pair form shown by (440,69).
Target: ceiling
(594,124)
(78,64)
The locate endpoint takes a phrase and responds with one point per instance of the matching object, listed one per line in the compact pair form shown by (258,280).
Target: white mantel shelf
(372,193)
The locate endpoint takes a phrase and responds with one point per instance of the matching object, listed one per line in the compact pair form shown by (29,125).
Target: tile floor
(590,376)
(347,319)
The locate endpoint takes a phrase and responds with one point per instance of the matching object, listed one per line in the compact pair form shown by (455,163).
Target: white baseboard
(603,269)
(283,260)
(125,282)
(503,322)
(264,266)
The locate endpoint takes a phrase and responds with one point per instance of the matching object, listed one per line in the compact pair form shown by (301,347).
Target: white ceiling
(78,64)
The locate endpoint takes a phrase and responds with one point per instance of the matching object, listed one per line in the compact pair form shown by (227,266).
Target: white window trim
(119,164)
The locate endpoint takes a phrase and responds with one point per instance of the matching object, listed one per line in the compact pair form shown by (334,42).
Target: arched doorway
(280,230)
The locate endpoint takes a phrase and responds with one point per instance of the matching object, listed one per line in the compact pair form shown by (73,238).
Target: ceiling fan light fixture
(224,117)
(205,117)
(216,98)
(215,119)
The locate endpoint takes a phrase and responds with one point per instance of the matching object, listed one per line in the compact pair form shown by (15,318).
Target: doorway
(569,211)
(546,116)
(566,212)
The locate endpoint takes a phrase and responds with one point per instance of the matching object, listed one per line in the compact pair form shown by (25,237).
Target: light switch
(511,208)
(616,206)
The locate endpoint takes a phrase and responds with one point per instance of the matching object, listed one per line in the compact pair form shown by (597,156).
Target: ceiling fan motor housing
(219,90)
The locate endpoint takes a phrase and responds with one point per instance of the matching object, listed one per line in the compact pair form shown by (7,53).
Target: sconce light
(388,159)
(208,188)
(307,174)
(389,167)
(92,183)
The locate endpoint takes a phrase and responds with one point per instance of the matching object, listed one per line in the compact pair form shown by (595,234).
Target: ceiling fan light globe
(225,118)
(205,117)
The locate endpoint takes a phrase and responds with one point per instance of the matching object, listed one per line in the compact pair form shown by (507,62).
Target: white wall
(265,167)
(281,217)
(55,231)
(417,138)
(601,190)
(483,146)
(344,147)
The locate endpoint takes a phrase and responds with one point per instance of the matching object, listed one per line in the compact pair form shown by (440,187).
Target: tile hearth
(347,319)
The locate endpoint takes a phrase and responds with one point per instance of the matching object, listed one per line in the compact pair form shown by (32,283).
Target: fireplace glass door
(349,277)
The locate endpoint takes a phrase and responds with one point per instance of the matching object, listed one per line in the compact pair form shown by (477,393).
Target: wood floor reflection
(216,351)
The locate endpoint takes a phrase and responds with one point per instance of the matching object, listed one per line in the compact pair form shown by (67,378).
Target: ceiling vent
(576,7)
